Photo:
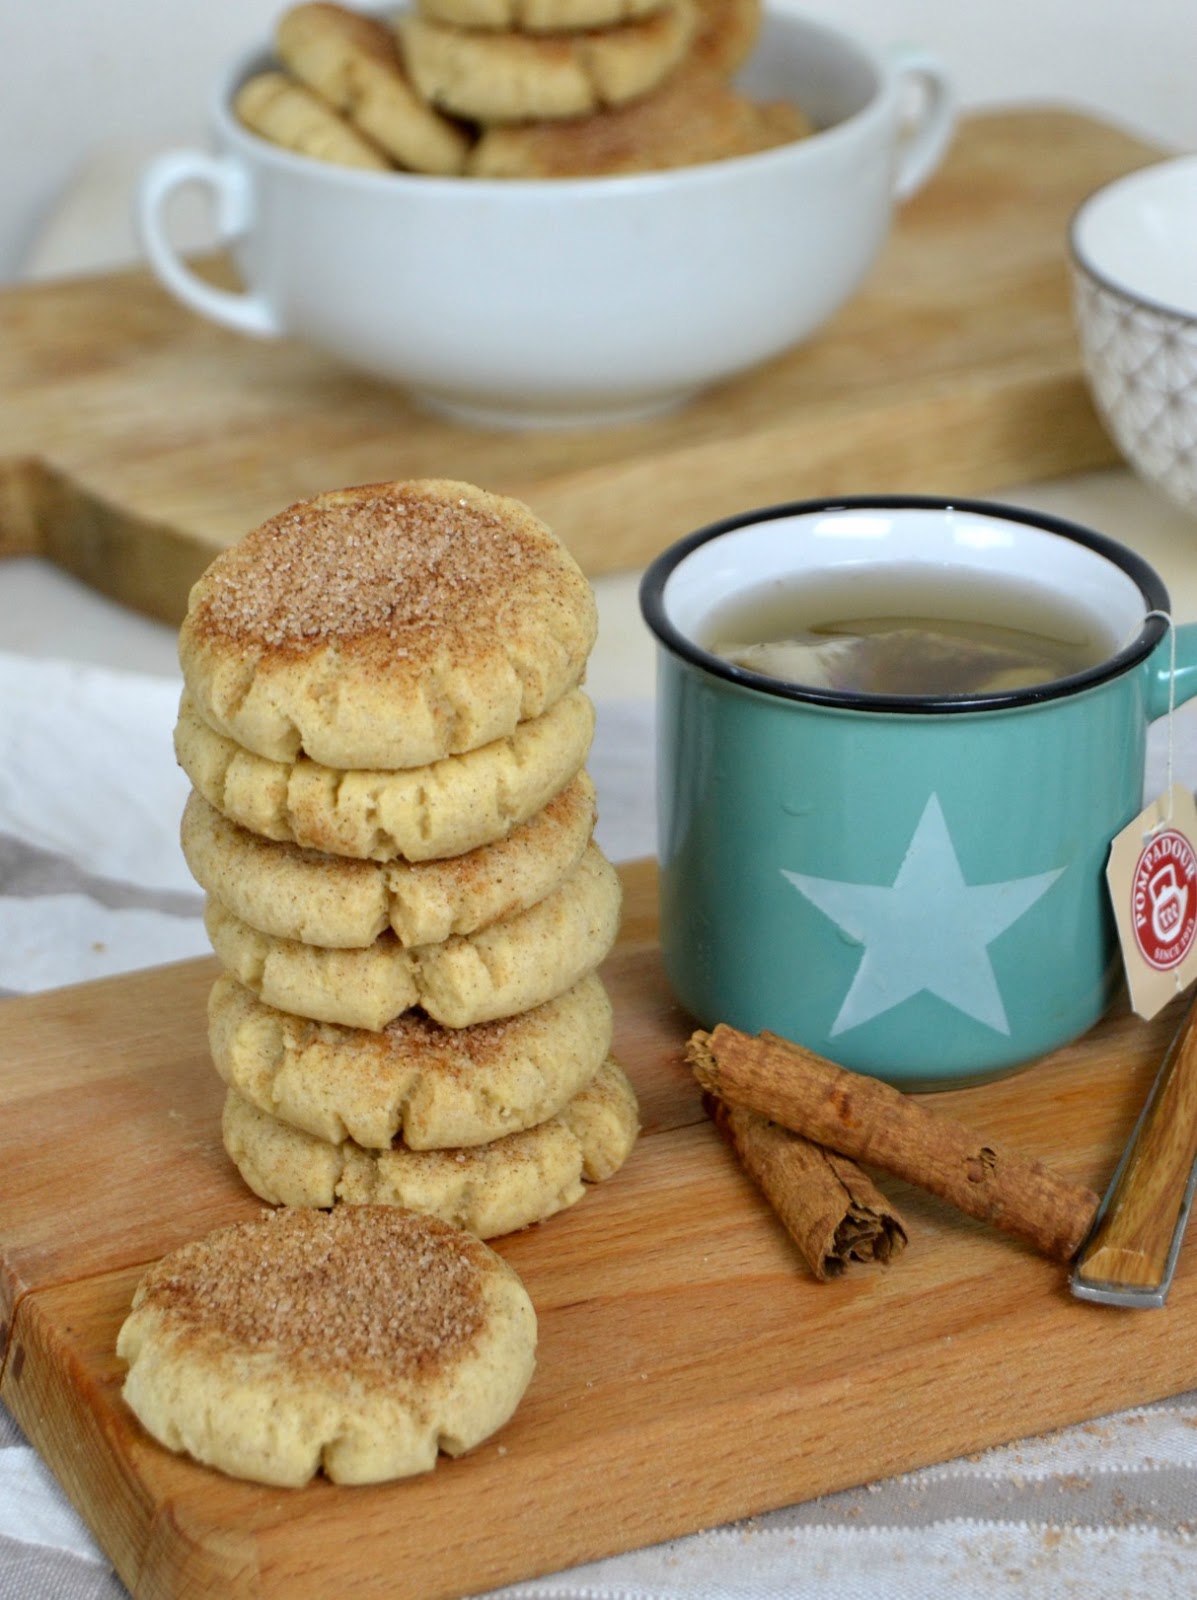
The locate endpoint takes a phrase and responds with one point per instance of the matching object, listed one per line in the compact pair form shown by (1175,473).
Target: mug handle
(922,144)
(231,189)
(1162,690)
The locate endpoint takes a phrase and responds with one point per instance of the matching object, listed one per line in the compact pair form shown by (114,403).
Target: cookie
(433,1087)
(351,61)
(538,16)
(272,106)
(693,118)
(333,901)
(507,967)
(725,36)
(490,1189)
(359,1342)
(417,813)
(388,625)
(517,77)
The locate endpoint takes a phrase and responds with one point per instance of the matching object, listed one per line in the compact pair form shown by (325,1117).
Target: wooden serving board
(136,439)
(690,1370)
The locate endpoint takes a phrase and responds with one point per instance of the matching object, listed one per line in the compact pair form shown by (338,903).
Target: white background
(90,87)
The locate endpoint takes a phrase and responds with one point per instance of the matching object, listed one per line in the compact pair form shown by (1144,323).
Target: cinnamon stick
(832,1211)
(870,1121)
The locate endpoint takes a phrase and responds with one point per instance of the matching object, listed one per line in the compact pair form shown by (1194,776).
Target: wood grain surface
(690,1370)
(136,439)
(1132,1242)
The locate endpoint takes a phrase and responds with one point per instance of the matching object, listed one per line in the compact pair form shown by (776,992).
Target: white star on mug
(929,930)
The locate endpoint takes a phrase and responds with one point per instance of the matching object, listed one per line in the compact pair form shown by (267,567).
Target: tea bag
(814,663)
(914,661)
(1017,678)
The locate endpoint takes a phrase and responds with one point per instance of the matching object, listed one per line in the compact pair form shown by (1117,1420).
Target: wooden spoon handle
(1131,1251)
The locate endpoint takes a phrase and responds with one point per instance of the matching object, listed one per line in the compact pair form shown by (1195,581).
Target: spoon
(1129,1255)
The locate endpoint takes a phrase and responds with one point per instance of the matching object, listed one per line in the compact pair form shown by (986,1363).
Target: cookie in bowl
(352,61)
(283,111)
(538,16)
(695,118)
(465,289)
(519,77)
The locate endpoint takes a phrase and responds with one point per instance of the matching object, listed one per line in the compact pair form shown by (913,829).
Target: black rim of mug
(1144,576)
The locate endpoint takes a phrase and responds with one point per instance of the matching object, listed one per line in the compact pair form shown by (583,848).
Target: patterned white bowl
(1134,273)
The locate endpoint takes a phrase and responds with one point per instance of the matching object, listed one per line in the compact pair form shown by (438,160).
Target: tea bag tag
(1152,878)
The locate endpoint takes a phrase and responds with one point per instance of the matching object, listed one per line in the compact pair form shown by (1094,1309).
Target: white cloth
(89,801)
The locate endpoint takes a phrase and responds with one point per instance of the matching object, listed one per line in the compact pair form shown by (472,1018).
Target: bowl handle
(929,131)
(230,186)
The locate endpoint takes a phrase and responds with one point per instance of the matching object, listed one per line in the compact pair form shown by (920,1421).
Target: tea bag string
(1166,618)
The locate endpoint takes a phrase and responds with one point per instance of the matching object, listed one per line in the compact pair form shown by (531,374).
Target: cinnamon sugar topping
(415,1035)
(357,1286)
(391,561)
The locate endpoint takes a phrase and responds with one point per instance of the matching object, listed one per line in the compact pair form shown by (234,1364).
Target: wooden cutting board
(690,1370)
(136,439)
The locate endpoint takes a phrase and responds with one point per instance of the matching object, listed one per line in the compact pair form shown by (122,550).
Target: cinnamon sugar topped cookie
(271,105)
(491,1188)
(345,904)
(538,16)
(358,1342)
(391,1295)
(498,971)
(419,813)
(352,62)
(516,76)
(433,1086)
(693,118)
(726,35)
(386,626)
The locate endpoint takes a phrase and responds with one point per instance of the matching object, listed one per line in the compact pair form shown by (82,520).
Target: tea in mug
(908,630)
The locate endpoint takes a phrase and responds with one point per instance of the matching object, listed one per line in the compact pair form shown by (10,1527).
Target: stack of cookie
(518,88)
(384,730)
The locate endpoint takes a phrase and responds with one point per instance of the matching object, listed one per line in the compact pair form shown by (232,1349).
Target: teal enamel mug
(910,884)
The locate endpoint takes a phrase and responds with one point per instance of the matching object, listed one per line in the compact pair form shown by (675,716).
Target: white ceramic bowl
(541,303)
(1134,271)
